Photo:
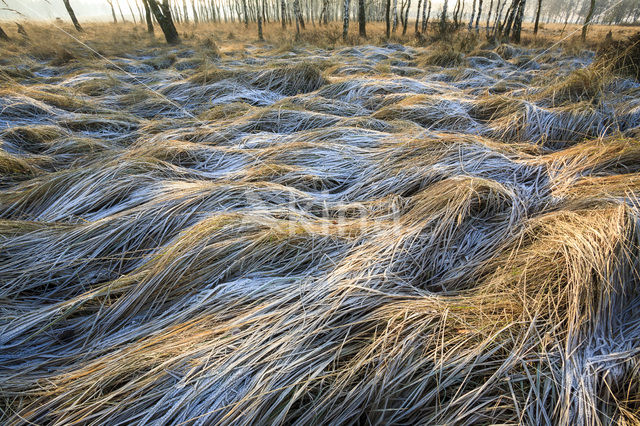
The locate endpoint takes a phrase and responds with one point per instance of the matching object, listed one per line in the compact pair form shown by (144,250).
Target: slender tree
(283,13)
(406,18)
(298,14)
(537,23)
(195,12)
(489,18)
(395,16)
(162,13)
(443,18)
(418,16)
(473,11)
(120,10)
(325,12)
(185,12)
(259,18)
(133,16)
(478,15)
(592,5)
(362,19)
(246,13)
(147,15)
(72,15)
(113,11)
(425,19)
(387,12)
(345,20)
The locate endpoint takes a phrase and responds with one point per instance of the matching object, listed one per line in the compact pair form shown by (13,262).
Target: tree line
(500,19)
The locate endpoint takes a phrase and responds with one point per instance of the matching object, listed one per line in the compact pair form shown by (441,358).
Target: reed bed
(358,235)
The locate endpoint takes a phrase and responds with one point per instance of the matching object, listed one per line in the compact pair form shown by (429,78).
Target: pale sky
(84,9)
(40,9)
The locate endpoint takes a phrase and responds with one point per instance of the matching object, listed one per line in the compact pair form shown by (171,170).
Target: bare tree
(246,13)
(120,10)
(387,11)
(298,14)
(283,13)
(162,13)
(113,11)
(345,20)
(592,5)
(406,18)
(259,17)
(478,15)
(536,25)
(362,19)
(195,12)
(425,19)
(147,14)
(185,12)
(394,26)
(325,12)
(133,16)
(473,11)
(72,15)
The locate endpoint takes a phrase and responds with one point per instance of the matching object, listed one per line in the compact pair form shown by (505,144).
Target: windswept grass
(296,233)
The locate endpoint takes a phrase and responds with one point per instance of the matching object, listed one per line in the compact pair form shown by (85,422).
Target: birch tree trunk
(162,13)
(362,19)
(345,20)
(72,15)
(587,20)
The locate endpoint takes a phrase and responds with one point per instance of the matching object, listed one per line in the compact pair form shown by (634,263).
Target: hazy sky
(85,9)
(40,9)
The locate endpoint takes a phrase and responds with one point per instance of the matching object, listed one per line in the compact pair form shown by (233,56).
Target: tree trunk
(259,13)
(362,19)
(298,14)
(517,23)
(473,11)
(72,15)
(536,25)
(162,14)
(395,16)
(418,16)
(443,18)
(345,20)
(133,16)
(587,20)
(478,15)
(120,10)
(195,12)
(147,14)
(406,18)
(489,18)
(113,11)
(185,12)
(283,13)
(325,11)
(425,19)
(246,13)
(387,18)
(3,35)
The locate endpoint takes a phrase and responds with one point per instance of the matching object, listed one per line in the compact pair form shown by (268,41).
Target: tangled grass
(371,234)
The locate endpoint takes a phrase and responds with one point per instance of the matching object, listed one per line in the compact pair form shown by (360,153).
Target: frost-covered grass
(348,235)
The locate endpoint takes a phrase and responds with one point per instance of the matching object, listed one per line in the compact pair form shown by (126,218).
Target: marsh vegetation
(240,232)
